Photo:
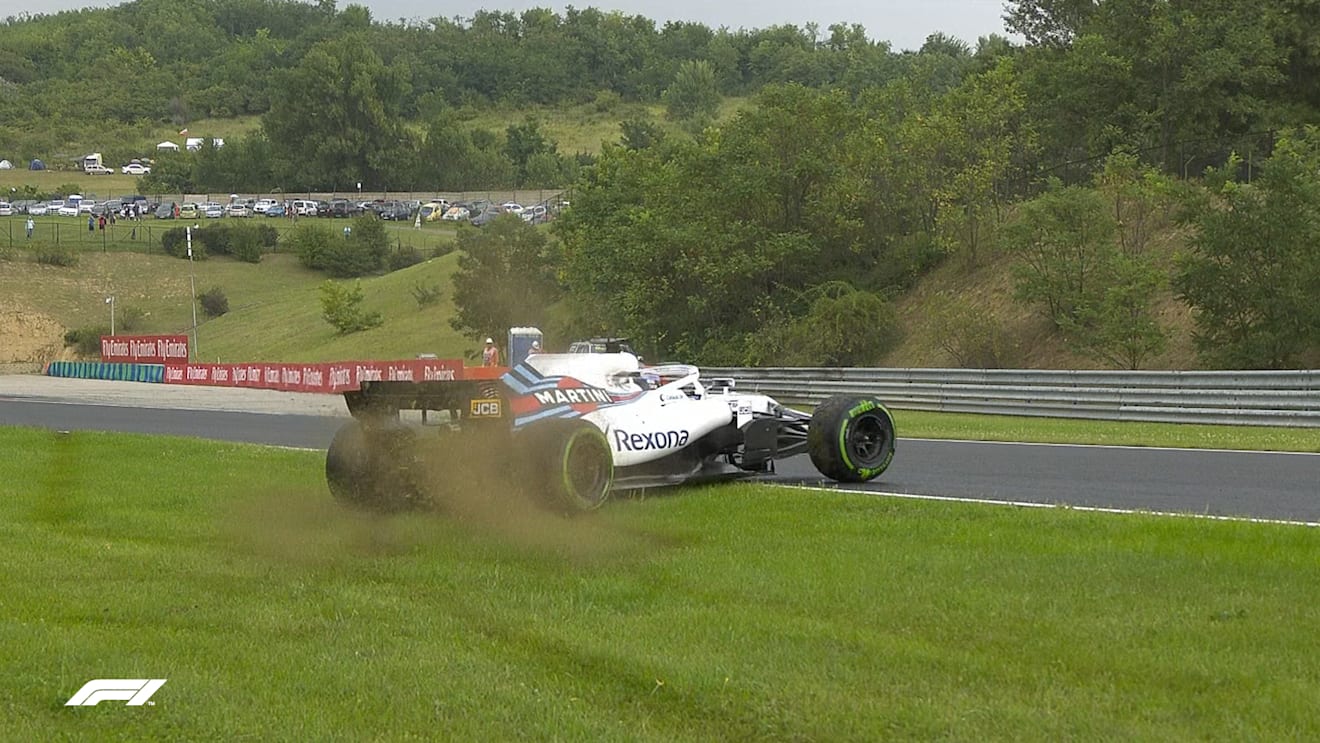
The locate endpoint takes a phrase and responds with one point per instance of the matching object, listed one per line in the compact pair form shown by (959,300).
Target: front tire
(851,439)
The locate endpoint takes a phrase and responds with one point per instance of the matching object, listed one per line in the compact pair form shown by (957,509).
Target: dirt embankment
(28,336)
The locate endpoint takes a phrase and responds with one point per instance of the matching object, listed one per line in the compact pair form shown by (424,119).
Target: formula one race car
(574,427)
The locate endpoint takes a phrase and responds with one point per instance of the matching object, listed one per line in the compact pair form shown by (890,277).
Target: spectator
(536,348)
(91,223)
(30,226)
(490,356)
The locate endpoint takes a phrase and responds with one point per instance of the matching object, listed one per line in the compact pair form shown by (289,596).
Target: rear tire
(368,466)
(571,464)
(851,439)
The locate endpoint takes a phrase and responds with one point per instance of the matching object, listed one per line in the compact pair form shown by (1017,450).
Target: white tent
(193,143)
(167,145)
(6,165)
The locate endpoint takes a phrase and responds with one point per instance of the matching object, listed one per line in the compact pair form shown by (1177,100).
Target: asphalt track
(1259,485)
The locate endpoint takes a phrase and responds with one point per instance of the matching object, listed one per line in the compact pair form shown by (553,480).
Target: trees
(505,277)
(1253,275)
(693,98)
(1064,239)
(337,118)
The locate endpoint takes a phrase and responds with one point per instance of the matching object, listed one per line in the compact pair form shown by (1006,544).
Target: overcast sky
(903,23)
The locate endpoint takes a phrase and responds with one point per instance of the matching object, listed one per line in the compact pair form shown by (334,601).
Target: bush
(442,250)
(242,241)
(214,302)
(309,242)
(175,242)
(86,341)
(129,319)
(56,255)
(426,295)
(404,256)
(342,308)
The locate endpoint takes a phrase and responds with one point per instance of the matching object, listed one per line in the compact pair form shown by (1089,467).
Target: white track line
(1031,504)
(901,439)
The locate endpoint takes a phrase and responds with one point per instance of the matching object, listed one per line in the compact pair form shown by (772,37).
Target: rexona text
(624,441)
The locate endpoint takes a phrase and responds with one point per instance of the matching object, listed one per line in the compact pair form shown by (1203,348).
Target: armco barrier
(1267,398)
(102,370)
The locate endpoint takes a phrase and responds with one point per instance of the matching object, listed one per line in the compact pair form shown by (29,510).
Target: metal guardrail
(1259,398)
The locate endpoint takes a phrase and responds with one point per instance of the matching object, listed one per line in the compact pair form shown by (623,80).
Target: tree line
(785,232)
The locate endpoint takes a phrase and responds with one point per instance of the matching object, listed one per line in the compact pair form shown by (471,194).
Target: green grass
(715,613)
(919,424)
(275,312)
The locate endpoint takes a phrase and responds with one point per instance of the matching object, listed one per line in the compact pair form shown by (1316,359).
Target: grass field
(919,424)
(713,613)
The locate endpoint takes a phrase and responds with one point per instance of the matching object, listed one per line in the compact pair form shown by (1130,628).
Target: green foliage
(427,295)
(694,97)
(310,242)
(843,327)
(129,319)
(505,277)
(360,252)
(1120,328)
(49,254)
(402,257)
(86,341)
(214,302)
(339,116)
(243,241)
(1253,274)
(1064,240)
(972,337)
(341,306)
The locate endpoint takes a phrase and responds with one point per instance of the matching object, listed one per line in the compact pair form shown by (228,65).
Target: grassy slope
(731,612)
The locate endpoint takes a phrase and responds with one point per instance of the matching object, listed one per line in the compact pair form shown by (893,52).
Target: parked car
(68,209)
(512,206)
(98,170)
(165,211)
(343,208)
(395,211)
(262,205)
(304,207)
(189,211)
(135,168)
(6,209)
(534,214)
(456,214)
(212,210)
(276,210)
(38,209)
(237,209)
(432,211)
(323,208)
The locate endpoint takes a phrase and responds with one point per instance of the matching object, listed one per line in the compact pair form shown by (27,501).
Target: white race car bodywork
(655,411)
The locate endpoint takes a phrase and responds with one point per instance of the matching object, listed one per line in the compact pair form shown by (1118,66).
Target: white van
(303,207)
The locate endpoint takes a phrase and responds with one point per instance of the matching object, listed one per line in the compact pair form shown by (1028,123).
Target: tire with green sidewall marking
(851,439)
(572,464)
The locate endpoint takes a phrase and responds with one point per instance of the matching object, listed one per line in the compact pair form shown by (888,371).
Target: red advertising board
(331,377)
(145,349)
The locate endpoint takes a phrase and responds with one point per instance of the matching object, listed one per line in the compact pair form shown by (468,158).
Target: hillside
(1026,338)
(274,308)
(275,312)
